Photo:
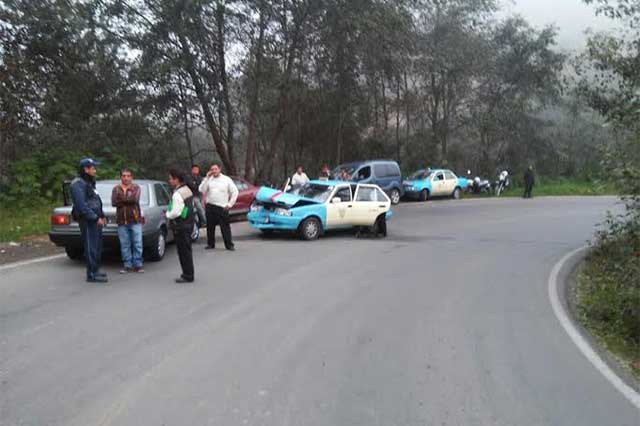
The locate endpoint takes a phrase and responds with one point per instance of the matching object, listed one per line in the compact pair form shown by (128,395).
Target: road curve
(446,322)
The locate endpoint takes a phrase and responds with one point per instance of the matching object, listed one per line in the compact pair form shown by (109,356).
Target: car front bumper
(266,220)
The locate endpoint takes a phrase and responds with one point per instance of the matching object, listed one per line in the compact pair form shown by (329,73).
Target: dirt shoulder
(29,248)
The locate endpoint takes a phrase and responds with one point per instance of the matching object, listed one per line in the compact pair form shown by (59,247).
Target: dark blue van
(384,173)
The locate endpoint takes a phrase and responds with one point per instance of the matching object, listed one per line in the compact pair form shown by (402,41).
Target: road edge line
(15,265)
(577,338)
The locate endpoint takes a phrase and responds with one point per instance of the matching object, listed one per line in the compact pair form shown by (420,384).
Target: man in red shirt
(125,197)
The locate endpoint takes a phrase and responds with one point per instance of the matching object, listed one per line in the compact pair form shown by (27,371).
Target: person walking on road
(87,211)
(125,197)
(299,178)
(181,213)
(529,182)
(221,195)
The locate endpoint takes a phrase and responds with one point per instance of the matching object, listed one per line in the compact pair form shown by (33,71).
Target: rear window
(392,170)
(105,189)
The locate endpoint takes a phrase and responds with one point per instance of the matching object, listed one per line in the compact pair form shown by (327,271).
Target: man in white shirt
(221,194)
(299,178)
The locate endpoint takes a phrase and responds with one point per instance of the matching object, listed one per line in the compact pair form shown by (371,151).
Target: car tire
(456,194)
(310,229)
(73,253)
(424,195)
(158,249)
(395,196)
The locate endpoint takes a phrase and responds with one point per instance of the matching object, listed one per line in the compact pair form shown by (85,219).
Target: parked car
(156,232)
(428,183)
(384,173)
(319,206)
(246,194)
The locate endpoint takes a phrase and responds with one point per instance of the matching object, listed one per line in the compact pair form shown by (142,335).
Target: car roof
(360,163)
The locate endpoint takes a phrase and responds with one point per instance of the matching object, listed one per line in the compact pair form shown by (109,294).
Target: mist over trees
(264,85)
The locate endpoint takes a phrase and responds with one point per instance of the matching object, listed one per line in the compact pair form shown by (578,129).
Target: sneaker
(125,270)
(138,270)
(97,279)
(183,280)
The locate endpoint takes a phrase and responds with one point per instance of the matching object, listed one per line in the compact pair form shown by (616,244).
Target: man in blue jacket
(87,211)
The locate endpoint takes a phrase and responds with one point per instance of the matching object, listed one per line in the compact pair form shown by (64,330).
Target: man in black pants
(181,212)
(221,194)
(87,211)
(529,181)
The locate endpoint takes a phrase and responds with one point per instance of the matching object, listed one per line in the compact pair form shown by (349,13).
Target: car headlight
(282,212)
(255,207)
(409,188)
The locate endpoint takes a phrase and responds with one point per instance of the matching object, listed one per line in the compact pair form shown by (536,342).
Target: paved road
(446,322)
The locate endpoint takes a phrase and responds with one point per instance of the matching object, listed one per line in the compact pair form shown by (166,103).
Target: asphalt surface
(445,322)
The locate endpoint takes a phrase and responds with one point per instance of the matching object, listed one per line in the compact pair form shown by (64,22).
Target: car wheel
(73,253)
(456,194)
(195,233)
(424,195)
(310,229)
(158,249)
(395,196)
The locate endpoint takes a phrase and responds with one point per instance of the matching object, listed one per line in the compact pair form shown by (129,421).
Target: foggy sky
(572,17)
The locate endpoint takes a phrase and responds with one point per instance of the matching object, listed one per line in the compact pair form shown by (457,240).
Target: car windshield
(350,168)
(315,192)
(420,175)
(105,189)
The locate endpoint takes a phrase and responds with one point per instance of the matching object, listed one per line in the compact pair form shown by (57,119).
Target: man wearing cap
(87,211)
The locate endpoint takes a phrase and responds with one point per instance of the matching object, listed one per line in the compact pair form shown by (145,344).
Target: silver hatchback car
(156,232)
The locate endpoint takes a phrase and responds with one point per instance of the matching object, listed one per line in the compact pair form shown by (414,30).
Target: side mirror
(336,200)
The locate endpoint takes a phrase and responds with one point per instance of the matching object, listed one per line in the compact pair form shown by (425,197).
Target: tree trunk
(254,103)
(228,109)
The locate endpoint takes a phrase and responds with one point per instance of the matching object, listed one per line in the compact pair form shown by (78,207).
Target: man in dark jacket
(529,182)
(182,215)
(87,211)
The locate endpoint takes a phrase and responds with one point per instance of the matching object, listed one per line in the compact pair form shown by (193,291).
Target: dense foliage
(263,85)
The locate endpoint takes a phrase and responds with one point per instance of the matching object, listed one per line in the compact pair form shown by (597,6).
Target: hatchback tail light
(59,219)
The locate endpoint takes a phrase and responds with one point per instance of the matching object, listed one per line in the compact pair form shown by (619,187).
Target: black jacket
(529,178)
(87,204)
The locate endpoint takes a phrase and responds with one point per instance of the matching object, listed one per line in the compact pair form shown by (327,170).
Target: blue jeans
(91,235)
(130,237)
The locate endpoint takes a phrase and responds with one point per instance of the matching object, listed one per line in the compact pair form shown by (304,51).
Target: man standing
(196,181)
(529,182)
(126,199)
(221,194)
(87,211)
(299,178)
(181,213)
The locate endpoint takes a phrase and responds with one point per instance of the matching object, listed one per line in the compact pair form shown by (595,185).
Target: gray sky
(572,17)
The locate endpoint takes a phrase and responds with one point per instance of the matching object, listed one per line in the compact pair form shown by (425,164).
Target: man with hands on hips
(221,195)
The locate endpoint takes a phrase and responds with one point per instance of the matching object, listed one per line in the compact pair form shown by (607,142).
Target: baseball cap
(88,162)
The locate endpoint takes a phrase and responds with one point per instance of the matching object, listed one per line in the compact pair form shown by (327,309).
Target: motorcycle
(478,185)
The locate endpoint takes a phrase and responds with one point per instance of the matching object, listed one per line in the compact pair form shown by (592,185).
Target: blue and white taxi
(319,206)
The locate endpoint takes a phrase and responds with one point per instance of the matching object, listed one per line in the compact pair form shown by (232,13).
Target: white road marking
(30,262)
(579,340)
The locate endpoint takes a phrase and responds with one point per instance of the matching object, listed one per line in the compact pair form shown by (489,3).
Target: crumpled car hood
(284,199)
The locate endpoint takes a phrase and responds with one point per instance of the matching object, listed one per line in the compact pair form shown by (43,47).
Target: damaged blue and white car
(320,206)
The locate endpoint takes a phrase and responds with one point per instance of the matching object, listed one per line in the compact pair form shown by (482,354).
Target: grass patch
(564,187)
(608,299)
(16,224)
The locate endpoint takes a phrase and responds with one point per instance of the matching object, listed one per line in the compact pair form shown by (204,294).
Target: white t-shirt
(219,191)
(299,179)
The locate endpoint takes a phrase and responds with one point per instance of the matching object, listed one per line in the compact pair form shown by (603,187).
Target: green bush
(38,179)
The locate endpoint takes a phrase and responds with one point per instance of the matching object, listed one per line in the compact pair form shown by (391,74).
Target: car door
(451,181)
(157,216)
(380,177)
(438,184)
(338,205)
(369,202)
(244,197)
